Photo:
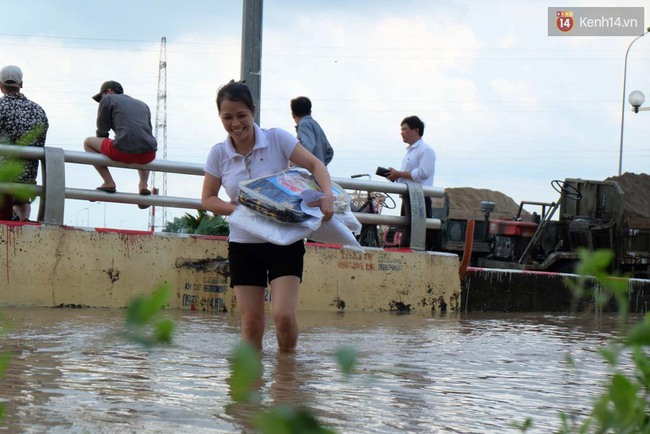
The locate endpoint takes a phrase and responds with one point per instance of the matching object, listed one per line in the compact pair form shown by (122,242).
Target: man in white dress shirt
(419,164)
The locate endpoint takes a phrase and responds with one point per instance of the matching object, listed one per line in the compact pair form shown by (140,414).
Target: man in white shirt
(419,164)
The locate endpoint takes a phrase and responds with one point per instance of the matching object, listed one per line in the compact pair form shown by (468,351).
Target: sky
(506,107)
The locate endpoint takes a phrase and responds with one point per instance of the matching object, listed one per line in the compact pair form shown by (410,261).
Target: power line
(458,52)
(83,38)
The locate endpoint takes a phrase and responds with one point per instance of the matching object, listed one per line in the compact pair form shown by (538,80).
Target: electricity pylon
(160,129)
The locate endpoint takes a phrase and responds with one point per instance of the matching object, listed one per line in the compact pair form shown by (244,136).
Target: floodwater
(74,371)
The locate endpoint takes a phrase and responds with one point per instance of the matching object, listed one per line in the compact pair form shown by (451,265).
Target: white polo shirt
(270,155)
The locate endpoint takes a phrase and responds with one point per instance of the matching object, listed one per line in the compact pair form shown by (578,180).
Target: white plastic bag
(335,231)
(339,230)
(270,230)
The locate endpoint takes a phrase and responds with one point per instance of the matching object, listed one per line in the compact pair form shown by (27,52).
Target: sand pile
(465,203)
(637,193)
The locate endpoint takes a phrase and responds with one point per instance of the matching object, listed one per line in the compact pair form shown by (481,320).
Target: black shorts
(258,264)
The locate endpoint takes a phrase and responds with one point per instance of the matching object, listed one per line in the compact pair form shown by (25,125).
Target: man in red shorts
(134,143)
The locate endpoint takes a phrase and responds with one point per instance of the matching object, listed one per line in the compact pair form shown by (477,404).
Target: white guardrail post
(51,210)
(53,192)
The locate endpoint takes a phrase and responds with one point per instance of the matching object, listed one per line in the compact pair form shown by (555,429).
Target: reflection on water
(73,371)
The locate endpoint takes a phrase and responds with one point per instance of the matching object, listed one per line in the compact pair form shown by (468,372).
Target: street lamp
(620,150)
(87,210)
(636,100)
(77,216)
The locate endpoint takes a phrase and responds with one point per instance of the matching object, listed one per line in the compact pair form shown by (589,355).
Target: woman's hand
(306,159)
(326,205)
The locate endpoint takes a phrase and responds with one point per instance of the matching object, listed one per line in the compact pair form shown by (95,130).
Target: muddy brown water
(73,371)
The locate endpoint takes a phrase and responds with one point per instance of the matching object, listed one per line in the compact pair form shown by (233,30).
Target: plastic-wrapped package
(279,196)
(275,208)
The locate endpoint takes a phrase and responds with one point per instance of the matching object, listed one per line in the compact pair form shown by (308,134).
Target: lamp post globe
(620,149)
(636,99)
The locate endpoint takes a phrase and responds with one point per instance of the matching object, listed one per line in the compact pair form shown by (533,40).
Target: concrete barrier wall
(45,266)
(493,290)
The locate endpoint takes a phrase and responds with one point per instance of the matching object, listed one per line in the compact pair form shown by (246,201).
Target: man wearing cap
(134,143)
(23,123)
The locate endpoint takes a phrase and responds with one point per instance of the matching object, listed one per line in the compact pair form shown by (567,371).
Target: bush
(201,224)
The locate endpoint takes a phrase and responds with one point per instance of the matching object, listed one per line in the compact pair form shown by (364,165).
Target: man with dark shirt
(22,123)
(134,143)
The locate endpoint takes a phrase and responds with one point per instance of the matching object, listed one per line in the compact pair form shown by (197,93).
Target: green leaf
(570,360)
(245,371)
(32,135)
(526,424)
(202,223)
(4,362)
(141,309)
(347,359)
(10,170)
(610,355)
(165,330)
(285,419)
(142,318)
(640,334)
(594,263)
(623,394)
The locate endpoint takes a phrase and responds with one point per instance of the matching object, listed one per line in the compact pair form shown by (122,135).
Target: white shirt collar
(260,142)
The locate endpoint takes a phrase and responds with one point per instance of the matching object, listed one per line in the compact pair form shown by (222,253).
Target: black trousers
(427,207)
(430,235)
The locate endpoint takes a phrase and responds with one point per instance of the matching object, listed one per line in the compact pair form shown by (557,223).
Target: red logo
(564,21)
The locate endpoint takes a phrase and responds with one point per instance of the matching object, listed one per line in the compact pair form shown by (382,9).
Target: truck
(588,214)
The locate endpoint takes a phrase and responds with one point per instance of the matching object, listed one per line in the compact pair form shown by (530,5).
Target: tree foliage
(200,224)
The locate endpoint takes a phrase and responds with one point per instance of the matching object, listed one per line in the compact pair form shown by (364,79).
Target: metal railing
(54,191)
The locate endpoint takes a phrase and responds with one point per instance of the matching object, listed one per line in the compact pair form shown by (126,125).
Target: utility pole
(251,51)
(160,130)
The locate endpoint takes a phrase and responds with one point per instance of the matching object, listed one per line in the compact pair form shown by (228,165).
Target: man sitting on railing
(23,123)
(134,143)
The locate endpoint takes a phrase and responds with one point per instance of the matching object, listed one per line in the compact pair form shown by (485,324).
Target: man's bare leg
(144,179)
(23,210)
(94,144)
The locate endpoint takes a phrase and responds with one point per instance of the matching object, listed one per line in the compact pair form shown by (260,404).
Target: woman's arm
(210,200)
(303,158)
